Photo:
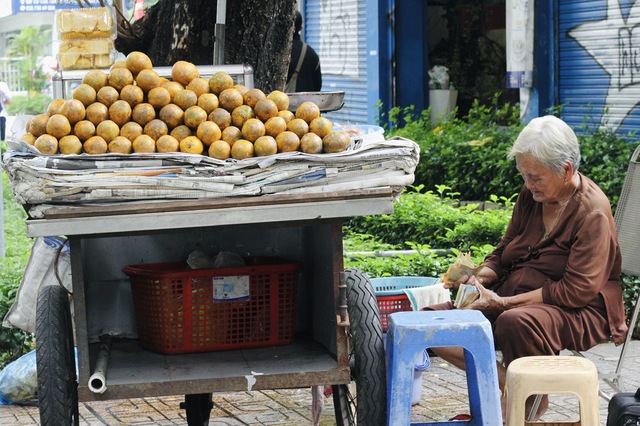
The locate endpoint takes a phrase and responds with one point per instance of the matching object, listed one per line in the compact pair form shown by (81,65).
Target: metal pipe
(219,33)
(98,380)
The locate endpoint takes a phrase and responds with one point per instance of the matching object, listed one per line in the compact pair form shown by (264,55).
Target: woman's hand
(488,300)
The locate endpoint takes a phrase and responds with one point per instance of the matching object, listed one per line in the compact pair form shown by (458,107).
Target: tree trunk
(258,33)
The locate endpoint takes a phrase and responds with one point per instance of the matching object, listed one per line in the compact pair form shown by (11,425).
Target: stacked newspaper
(63,179)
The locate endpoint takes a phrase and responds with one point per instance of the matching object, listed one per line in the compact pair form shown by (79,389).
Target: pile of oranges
(131,109)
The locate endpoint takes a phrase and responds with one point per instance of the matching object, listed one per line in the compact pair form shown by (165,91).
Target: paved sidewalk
(444,394)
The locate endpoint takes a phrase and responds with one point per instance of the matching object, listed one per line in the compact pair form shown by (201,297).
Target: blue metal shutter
(337,32)
(596,77)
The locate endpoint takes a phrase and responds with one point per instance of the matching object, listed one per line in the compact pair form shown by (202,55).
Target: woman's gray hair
(549,140)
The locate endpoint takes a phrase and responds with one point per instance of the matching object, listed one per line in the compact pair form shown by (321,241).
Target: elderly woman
(553,281)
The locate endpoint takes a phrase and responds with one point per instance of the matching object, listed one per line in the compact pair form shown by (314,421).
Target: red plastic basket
(176,312)
(391,297)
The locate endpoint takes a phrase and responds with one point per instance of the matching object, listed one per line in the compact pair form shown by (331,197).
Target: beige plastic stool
(535,375)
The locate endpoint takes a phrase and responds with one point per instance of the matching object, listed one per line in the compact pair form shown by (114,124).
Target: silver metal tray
(326,101)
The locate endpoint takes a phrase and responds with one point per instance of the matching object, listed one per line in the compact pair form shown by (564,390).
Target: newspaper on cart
(41,182)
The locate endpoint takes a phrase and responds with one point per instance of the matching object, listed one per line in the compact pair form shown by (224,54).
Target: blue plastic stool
(410,332)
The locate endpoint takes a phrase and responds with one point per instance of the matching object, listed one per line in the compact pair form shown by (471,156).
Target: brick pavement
(443,395)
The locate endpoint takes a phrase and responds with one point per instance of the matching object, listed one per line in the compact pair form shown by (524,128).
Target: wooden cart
(338,337)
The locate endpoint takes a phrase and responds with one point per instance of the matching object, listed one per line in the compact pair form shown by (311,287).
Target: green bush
(13,342)
(31,105)
(436,220)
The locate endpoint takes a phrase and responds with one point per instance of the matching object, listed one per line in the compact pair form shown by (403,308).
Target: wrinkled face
(545,184)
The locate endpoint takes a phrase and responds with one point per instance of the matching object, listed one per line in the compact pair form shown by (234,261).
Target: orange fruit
(240,88)
(167,143)
(120,77)
(181,132)
(122,63)
(198,85)
(85,94)
(108,130)
(144,143)
(194,115)
(321,126)
(58,126)
(95,145)
(311,143)
(120,112)
(120,145)
(280,98)
(156,128)
(172,115)
(46,144)
(28,138)
(192,145)
(220,81)
(148,79)
(252,129)
(252,96)
(131,130)
(265,109)
(230,99)
(231,134)
(208,132)
(107,95)
(69,144)
(286,115)
(37,125)
(274,126)
(287,141)
(138,61)
(298,126)
(185,99)
(265,145)
(84,129)
(97,112)
(219,149)
(241,114)
(173,87)
(73,109)
(159,97)
(308,111)
(54,106)
(221,117)
(208,102)
(335,142)
(143,113)
(96,79)
(242,149)
(183,72)
(133,95)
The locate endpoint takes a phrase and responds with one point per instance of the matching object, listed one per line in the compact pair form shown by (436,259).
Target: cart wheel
(55,358)
(198,406)
(368,404)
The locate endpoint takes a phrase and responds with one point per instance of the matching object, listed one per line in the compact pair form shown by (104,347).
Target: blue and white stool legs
(410,332)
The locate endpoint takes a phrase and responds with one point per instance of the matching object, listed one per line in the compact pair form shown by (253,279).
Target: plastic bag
(40,271)
(18,381)
(439,78)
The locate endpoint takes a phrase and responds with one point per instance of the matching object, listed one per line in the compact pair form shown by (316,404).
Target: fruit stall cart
(319,326)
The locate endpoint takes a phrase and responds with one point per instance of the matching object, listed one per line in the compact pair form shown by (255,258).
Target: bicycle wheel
(55,358)
(364,400)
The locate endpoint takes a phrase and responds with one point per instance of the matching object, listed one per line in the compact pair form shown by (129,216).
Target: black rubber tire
(55,358)
(198,407)
(367,358)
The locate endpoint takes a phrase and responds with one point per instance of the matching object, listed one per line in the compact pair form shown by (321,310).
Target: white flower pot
(442,102)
